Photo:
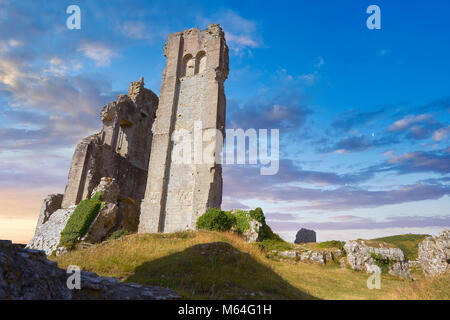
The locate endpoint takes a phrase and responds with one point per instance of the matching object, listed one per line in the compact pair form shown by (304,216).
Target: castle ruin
(192,91)
(134,150)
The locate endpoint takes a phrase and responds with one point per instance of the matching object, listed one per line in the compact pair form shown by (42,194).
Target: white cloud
(407,121)
(241,34)
(136,30)
(58,67)
(441,134)
(99,52)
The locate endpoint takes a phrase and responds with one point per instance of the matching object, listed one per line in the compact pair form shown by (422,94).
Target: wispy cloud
(99,52)
(242,34)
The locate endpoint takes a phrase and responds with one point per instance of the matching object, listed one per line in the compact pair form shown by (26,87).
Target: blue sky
(363,114)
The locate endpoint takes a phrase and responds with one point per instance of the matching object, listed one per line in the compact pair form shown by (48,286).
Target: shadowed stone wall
(192,92)
(121,150)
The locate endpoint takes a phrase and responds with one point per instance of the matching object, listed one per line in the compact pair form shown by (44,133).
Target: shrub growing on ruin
(215,219)
(80,220)
(383,263)
(241,221)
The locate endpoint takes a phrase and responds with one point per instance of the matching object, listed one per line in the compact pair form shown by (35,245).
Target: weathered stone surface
(50,204)
(321,256)
(252,233)
(129,215)
(434,254)
(48,235)
(109,188)
(116,156)
(104,224)
(192,102)
(359,258)
(27,274)
(305,235)
(120,150)
(288,254)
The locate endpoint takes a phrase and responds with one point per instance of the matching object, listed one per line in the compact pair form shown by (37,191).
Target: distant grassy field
(214,265)
(409,243)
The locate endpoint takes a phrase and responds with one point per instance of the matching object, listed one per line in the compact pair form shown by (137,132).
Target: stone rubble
(434,254)
(26,274)
(48,234)
(359,258)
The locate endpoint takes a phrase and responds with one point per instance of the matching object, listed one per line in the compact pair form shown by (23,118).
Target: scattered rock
(288,254)
(434,254)
(359,257)
(321,256)
(305,235)
(27,274)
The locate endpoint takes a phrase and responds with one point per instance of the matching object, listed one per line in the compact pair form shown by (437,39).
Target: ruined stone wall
(121,150)
(192,92)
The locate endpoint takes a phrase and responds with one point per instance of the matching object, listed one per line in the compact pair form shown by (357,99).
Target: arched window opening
(188,65)
(200,63)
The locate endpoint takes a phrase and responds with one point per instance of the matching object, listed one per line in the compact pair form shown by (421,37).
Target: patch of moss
(80,220)
(383,263)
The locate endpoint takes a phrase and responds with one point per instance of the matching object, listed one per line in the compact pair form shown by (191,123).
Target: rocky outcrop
(305,235)
(26,274)
(252,233)
(434,254)
(108,219)
(363,257)
(48,234)
(104,224)
(109,188)
(319,256)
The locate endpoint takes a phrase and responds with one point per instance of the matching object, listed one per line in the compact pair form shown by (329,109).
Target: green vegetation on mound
(215,220)
(332,244)
(221,265)
(408,243)
(80,220)
(239,221)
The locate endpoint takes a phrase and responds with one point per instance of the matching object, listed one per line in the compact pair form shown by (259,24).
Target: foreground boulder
(434,254)
(26,274)
(371,257)
(305,236)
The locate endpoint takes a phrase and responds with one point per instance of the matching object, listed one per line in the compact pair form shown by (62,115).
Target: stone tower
(192,99)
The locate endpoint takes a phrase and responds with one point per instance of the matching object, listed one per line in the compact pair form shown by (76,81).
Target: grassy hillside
(409,243)
(214,265)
